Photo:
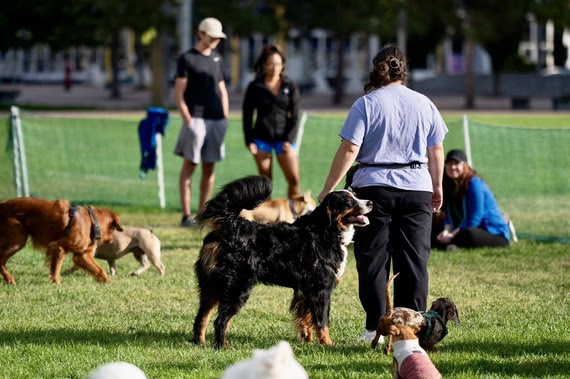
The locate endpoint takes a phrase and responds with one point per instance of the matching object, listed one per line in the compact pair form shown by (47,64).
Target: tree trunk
(115,83)
(469,80)
(140,63)
(339,82)
(281,35)
(158,67)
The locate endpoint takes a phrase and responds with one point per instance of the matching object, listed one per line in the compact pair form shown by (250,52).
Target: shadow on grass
(66,336)
(95,337)
(509,358)
(508,348)
(528,369)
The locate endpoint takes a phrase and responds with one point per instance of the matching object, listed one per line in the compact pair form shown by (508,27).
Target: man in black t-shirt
(202,99)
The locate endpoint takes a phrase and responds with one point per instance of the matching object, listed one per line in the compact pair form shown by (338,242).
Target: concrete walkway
(82,96)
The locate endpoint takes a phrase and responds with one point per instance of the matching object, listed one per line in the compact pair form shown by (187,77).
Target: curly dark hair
(390,65)
(266,52)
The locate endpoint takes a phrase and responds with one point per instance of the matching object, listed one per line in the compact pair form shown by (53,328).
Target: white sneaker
(369,335)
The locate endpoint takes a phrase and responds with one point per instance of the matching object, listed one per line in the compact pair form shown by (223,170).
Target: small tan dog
(142,242)
(281,210)
(410,360)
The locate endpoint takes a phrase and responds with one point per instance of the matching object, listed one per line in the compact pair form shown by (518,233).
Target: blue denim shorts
(268,147)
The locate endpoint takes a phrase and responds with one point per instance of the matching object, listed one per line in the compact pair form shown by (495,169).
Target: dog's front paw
(219,346)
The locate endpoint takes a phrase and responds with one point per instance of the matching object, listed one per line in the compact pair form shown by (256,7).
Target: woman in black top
(276,100)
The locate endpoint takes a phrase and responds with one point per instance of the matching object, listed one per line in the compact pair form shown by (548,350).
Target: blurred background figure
(275,98)
(202,98)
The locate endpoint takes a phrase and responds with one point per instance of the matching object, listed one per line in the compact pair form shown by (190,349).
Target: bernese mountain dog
(308,256)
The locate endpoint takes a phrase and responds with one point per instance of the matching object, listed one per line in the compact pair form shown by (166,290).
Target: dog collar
(292,207)
(95,227)
(429,318)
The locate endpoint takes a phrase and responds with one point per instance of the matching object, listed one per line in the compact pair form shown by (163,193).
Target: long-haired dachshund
(308,256)
(410,359)
(430,327)
(58,226)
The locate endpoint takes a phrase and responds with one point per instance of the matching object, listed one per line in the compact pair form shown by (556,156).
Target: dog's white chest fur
(347,235)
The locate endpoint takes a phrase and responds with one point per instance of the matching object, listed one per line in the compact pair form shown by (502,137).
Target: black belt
(414,165)
(393,166)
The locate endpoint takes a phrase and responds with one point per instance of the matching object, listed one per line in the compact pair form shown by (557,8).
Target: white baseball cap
(212,27)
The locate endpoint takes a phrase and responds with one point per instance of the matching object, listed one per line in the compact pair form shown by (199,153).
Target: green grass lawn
(513,305)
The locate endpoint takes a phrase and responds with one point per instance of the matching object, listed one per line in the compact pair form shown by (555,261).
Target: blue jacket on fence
(479,210)
(155,122)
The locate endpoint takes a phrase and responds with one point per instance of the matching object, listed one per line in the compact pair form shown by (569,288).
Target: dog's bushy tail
(244,193)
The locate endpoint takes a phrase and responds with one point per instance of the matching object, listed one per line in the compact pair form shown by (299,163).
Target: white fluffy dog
(275,363)
(117,370)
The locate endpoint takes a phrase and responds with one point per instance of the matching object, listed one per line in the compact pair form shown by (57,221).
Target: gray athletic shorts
(202,140)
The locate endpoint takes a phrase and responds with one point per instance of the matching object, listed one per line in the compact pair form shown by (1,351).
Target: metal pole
(14,113)
(160,171)
(19,145)
(402,26)
(300,131)
(467,140)
(185,25)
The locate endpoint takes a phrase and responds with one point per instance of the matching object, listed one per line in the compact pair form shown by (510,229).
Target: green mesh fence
(85,160)
(527,170)
(95,160)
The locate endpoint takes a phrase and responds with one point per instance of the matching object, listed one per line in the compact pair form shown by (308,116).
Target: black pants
(398,234)
(477,237)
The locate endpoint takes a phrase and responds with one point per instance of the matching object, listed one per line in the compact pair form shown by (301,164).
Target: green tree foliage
(63,24)
(555,10)
(499,26)
(427,25)
(241,18)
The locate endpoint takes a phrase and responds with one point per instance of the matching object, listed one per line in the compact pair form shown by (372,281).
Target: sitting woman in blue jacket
(472,215)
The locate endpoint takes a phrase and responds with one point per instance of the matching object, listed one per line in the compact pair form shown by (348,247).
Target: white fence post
(20,165)
(467,140)
(160,171)
(300,131)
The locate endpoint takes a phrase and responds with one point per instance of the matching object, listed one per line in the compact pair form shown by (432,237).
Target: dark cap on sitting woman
(456,155)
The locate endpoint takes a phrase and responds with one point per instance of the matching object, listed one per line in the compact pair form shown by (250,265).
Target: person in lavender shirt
(388,131)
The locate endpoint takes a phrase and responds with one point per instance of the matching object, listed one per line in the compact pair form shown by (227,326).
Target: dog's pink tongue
(363,220)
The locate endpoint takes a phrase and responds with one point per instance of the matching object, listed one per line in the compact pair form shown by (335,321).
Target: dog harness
(95,227)
(429,318)
(95,232)
(413,361)
(403,349)
(72,211)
